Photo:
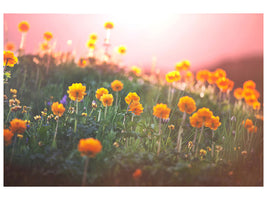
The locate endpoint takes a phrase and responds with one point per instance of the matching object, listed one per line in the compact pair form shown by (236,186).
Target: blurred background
(233,42)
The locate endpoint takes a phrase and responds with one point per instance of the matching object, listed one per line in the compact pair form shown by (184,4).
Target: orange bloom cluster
(137,174)
(187,104)
(205,114)
(10,46)
(48,36)
(183,65)
(24,26)
(213,123)
(109,25)
(132,97)
(107,99)
(82,62)
(100,92)
(117,85)
(17,126)
(9,59)
(89,147)
(91,44)
(196,121)
(248,124)
(121,49)
(203,75)
(136,107)
(8,135)
(225,84)
(76,92)
(173,76)
(161,111)
(58,109)
(211,77)
(136,70)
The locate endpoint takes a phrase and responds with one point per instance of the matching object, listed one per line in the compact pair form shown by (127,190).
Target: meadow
(96,123)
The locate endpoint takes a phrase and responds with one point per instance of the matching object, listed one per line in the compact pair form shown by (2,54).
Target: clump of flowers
(173,76)
(136,107)
(131,97)
(183,65)
(100,92)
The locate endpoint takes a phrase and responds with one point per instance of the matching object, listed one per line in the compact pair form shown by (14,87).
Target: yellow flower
(136,70)
(76,92)
(109,25)
(13,91)
(121,49)
(48,36)
(131,97)
(190,144)
(187,104)
(117,85)
(84,114)
(161,111)
(24,26)
(202,152)
(93,36)
(107,99)
(173,76)
(100,92)
(171,127)
(91,44)
(183,65)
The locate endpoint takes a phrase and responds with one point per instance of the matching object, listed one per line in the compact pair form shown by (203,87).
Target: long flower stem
(99,115)
(159,137)
(13,149)
(199,139)
(212,145)
(75,123)
(194,141)
(106,108)
(85,171)
(179,138)
(54,144)
(117,96)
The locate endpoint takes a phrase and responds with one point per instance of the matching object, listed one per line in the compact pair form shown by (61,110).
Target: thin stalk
(168,137)
(159,136)
(75,123)
(212,145)
(117,96)
(99,115)
(199,139)
(194,141)
(179,136)
(85,171)
(106,107)
(13,149)
(54,144)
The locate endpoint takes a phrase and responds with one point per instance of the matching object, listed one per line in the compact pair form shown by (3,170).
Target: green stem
(117,96)
(99,115)
(212,145)
(179,136)
(54,143)
(8,114)
(159,136)
(85,171)
(106,107)
(13,149)
(199,139)
(194,141)
(76,120)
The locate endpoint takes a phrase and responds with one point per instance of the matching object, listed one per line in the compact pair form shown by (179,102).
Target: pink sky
(201,38)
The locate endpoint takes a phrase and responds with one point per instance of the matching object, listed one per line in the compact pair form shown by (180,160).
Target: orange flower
(100,92)
(57,109)
(132,97)
(48,36)
(256,93)
(93,36)
(230,85)
(196,121)
(173,76)
(203,75)
(117,85)
(82,62)
(161,111)
(187,104)
(212,78)
(248,123)
(8,135)
(213,123)
(189,76)
(10,46)
(44,46)
(109,25)
(249,84)
(107,99)
(9,59)
(256,105)
(17,126)
(13,91)
(224,84)
(238,93)
(250,100)
(76,92)
(91,44)
(137,174)
(220,73)
(121,49)
(252,129)
(136,108)
(205,114)
(24,26)
(136,70)
(89,147)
